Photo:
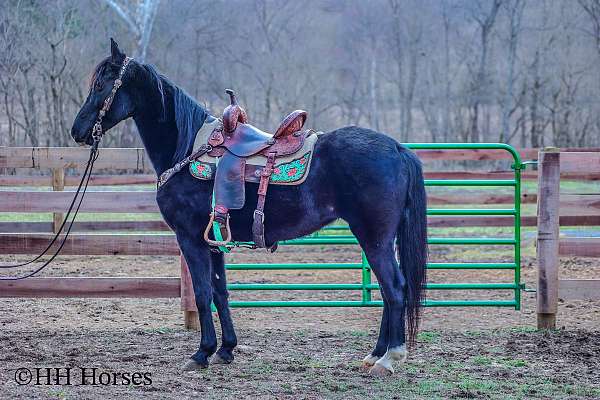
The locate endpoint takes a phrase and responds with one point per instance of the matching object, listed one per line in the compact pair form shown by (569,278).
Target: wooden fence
(132,167)
(553,164)
(89,237)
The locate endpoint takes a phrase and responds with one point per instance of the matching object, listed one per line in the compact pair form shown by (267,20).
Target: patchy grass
(514,363)
(481,360)
(359,334)
(60,394)
(428,336)
(523,329)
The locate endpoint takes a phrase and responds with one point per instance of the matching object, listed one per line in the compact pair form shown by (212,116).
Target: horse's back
(358,159)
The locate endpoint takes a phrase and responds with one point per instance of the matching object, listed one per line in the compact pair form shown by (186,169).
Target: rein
(97,134)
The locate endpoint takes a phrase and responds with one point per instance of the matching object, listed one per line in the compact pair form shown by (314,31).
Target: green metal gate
(365,286)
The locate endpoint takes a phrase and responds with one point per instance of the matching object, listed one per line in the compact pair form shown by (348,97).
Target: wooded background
(523,72)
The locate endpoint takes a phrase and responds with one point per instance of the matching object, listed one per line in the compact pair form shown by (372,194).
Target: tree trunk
(374,117)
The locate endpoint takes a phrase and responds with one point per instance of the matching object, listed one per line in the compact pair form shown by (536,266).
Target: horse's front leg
(197,255)
(221,299)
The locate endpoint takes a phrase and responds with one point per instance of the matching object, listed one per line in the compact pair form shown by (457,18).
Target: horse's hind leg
(382,341)
(393,286)
(221,299)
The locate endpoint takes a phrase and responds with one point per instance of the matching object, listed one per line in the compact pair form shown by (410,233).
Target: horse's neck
(159,123)
(160,141)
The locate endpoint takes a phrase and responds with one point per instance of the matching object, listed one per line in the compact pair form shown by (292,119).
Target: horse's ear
(116,55)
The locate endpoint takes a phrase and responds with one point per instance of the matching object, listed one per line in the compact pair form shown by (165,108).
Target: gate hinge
(525,289)
(524,164)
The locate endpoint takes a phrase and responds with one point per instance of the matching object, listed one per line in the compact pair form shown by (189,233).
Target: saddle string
(97,133)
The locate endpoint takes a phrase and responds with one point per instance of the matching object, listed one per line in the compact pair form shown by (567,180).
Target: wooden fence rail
(93,244)
(150,179)
(159,287)
(159,225)
(135,159)
(145,201)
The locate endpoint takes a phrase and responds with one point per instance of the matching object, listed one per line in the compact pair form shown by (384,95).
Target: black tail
(412,242)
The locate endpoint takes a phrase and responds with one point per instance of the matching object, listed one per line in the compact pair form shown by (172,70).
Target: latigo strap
(258,225)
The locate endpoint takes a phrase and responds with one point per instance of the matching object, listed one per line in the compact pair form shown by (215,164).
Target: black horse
(361,176)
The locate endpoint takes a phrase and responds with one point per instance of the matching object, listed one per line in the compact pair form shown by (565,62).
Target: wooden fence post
(548,236)
(188,299)
(58,184)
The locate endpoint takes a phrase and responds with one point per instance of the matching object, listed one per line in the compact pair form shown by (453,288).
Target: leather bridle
(97,133)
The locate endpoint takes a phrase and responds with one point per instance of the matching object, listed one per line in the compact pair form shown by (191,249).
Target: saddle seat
(245,140)
(233,143)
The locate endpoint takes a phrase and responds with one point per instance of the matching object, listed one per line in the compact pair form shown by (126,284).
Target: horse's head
(101,85)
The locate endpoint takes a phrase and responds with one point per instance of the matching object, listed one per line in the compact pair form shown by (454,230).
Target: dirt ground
(300,353)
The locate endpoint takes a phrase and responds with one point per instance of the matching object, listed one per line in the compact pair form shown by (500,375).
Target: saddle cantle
(243,153)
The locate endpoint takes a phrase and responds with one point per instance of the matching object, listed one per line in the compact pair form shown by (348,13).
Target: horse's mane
(189,114)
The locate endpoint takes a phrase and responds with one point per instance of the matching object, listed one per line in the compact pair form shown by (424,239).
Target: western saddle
(232,143)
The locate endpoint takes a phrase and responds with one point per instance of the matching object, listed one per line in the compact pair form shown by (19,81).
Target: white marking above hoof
(384,362)
(191,365)
(398,353)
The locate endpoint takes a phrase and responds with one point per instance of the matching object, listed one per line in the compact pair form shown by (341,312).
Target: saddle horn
(233,113)
(232,97)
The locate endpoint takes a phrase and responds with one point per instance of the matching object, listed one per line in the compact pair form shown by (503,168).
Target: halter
(97,134)
(97,131)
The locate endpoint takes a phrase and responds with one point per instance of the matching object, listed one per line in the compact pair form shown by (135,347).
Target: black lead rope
(85,179)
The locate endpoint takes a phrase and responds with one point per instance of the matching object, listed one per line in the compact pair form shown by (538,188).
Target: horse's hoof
(366,366)
(368,362)
(217,359)
(192,365)
(380,371)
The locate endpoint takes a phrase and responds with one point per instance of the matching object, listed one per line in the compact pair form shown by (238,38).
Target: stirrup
(209,227)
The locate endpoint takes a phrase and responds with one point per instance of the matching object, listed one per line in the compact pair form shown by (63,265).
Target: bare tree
(592,9)
(480,84)
(407,36)
(446,125)
(139,16)
(514,9)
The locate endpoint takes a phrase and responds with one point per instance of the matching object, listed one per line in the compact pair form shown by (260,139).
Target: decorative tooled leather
(216,138)
(217,151)
(292,123)
(233,115)
(287,145)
